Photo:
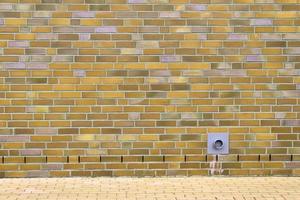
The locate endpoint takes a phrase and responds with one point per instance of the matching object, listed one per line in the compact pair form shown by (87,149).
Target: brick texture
(133,88)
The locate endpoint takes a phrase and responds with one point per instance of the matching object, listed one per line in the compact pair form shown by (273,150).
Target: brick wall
(117,87)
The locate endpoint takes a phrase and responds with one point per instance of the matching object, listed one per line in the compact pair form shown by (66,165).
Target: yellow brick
(25,36)
(59,21)
(15,21)
(90,22)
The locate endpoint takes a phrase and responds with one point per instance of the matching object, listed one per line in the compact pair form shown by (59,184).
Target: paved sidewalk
(189,188)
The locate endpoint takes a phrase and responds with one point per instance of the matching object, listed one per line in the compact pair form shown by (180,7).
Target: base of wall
(188,165)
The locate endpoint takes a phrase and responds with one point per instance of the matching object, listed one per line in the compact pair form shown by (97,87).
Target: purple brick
(62,58)
(160,73)
(63,29)
(18,65)
(254,58)
(222,72)
(270,36)
(31,152)
(293,165)
(170,59)
(14,138)
(84,29)
(24,29)
(18,43)
(280,115)
(3,138)
(133,116)
(292,36)
(106,29)
(237,37)
(203,37)
(83,14)
(213,72)
(294,50)
(167,14)
(52,166)
(46,131)
(24,58)
(1,21)
(79,73)
(46,36)
(137,1)
(149,14)
(30,109)
(196,7)
(261,22)
(84,36)
(37,65)
(6,6)
(291,122)
(235,72)
(158,80)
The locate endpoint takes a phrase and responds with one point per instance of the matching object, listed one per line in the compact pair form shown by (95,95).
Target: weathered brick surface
(133,88)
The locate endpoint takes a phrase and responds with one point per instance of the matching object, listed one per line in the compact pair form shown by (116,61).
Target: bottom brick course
(158,165)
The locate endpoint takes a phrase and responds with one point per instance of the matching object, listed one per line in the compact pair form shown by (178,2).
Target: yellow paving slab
(165,188)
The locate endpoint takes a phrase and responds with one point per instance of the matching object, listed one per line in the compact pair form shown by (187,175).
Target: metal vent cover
(218,143)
